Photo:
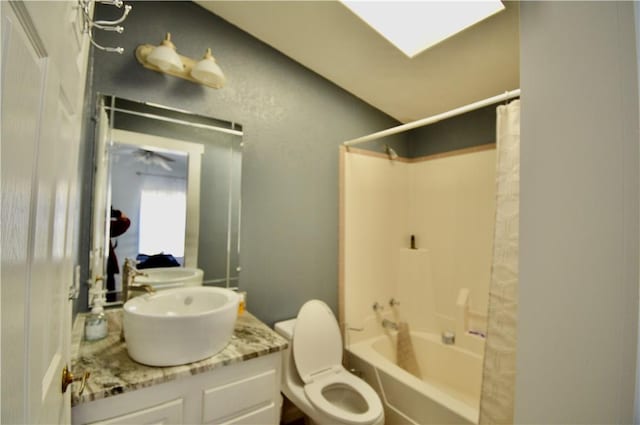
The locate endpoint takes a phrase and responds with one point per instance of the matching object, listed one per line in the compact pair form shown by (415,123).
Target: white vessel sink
(179,326)
(170,277)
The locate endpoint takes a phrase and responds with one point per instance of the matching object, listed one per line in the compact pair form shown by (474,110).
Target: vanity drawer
(165,413)
(237,397)
(266,415)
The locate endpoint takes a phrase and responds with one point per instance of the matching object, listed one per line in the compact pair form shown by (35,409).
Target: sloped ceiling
(329,39)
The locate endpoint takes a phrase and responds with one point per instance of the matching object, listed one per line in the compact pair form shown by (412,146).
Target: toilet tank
(285,328)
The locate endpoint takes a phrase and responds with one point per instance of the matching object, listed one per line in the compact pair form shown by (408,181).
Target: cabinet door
(166,413)
(266,415)
(237,397)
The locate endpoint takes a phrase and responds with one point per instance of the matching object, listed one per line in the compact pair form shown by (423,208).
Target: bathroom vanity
(239,385)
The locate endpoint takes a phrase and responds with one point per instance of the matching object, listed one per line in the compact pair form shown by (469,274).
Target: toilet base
(296,397)
(291,414)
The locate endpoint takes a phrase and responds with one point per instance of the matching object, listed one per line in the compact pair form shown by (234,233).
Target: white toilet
(313,377)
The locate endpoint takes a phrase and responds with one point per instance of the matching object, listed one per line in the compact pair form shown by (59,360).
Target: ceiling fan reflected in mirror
(152,158)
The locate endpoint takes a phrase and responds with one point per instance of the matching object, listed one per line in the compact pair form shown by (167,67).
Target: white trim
(175,120)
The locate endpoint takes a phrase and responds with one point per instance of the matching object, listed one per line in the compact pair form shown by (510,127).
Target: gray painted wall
(578,290)
(294,121)
(463,131)
(637,399)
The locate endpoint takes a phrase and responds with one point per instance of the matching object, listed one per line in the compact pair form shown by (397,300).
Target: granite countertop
(113,372)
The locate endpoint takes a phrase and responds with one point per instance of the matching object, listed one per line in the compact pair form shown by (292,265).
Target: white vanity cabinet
(247,392)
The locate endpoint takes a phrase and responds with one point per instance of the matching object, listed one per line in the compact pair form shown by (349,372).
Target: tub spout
(388,324)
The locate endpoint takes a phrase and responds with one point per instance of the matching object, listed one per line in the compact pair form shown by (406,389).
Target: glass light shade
(207,71)
(165,56)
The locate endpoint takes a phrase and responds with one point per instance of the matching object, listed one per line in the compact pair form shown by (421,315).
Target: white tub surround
(447,392)
(448,204)
(419,233)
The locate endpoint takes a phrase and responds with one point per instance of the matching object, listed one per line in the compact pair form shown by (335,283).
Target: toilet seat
(317,353)
(314,393)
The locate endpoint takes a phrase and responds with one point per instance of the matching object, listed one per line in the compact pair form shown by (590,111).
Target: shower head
(390,152)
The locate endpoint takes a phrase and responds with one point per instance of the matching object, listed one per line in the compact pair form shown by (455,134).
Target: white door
(41,117)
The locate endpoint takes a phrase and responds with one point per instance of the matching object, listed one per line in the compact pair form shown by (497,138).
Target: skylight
(414,26)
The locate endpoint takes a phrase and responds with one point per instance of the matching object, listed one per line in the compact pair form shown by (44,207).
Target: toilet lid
(317,344)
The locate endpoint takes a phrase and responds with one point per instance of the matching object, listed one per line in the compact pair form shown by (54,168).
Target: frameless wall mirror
(166,193)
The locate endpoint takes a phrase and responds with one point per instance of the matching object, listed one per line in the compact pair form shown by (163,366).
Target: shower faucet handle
(377,307)
(393,302)
(448,337)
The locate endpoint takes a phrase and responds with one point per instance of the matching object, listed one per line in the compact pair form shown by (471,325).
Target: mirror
(166,192)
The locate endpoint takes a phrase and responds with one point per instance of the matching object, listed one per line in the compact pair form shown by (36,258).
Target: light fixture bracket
(144,50)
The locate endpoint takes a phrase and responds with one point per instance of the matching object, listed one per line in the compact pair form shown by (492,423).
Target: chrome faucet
(129,272)
(388,324)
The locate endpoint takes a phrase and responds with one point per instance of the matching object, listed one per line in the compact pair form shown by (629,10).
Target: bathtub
(447,393)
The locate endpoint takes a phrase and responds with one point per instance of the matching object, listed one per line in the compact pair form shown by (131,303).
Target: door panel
(49,319)
(22,87)
(41,116)
(59,25)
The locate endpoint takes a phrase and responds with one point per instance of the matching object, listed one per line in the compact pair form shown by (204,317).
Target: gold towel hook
(68,378)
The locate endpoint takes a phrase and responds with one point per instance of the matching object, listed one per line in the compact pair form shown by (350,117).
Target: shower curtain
(498,383)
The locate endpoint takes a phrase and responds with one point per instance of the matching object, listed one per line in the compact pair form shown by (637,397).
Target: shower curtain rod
(435,118)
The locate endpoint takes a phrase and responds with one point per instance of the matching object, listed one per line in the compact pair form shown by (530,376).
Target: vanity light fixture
(164,58)
(208,72)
